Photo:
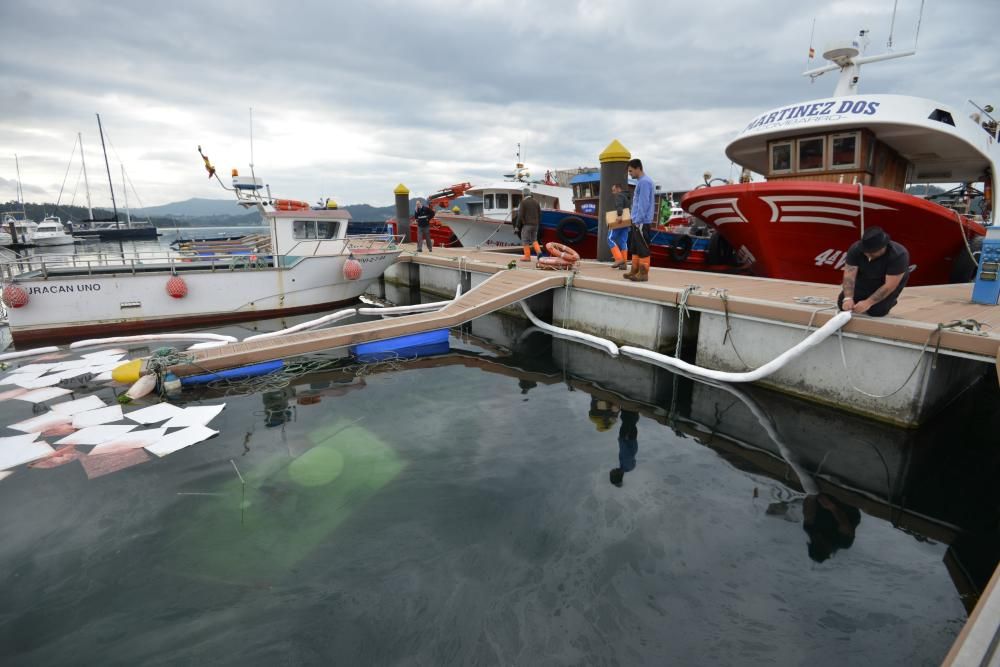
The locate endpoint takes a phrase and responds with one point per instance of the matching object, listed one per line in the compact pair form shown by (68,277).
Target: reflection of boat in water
(313,265)
(836,165)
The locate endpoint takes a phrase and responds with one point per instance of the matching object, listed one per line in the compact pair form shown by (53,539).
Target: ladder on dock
(498,291)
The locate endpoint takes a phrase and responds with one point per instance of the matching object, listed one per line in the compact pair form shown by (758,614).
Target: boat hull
(802,230)
(49,241)
(487,233)
(63,307)
(123,234)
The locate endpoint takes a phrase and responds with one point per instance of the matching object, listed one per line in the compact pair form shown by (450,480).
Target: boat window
(844,151)
(942,116)
(488,202)
(502,201)
(811,154)
(781,157)
(515,201)
(304,229)
(327,229)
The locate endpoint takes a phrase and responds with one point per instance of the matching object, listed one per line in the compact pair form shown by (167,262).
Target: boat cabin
(586,192)
(309,232)
(500,200)
(853,156)
(887,141)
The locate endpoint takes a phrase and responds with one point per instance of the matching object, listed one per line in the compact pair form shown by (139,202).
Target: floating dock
(901,369)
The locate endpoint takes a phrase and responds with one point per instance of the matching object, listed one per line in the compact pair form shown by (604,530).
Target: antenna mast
(108,167)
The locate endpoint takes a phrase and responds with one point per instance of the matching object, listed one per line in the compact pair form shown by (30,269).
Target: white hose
(311,324)
(404,310)
(811,341)
(594,341)
(151,337)
(27,353)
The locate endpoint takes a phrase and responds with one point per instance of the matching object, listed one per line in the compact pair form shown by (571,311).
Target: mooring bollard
(614,169)
(402,211)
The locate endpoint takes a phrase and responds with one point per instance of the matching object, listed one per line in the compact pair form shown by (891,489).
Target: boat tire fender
(571,230)
(680,250)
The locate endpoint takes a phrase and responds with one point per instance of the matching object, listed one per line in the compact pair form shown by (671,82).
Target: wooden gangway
(498,291)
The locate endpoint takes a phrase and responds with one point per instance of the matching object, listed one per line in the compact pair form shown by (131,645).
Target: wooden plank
(496,292)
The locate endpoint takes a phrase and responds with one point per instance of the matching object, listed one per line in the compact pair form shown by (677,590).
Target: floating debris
(42,395)
(132,440)
(15,454)
(154,414)
(79,405)
(96,435)
(181,439)
(112,413)
(43,422)
(199,415)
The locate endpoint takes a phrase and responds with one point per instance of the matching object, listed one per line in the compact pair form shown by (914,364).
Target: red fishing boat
(835,166)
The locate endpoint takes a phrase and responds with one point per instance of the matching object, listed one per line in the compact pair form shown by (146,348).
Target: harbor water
(514,499)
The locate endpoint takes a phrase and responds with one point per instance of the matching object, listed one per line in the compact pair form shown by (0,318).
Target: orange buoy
(352,269)
(14,296)
(176,287)
(563,252)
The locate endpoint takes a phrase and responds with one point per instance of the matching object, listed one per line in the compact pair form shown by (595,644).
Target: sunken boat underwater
(312,265)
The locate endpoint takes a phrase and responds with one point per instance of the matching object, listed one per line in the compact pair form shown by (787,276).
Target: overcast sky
(351,99)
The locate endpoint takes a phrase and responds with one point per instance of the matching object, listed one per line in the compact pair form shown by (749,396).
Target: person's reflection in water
(603,414)
(276,408)
(830,524)
(628,447)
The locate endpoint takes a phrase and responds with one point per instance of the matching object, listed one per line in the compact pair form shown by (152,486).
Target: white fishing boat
(19,230)
(313,265)
(50,232)
(494,227)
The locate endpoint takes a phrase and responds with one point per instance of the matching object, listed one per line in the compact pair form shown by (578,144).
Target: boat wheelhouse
(837,165)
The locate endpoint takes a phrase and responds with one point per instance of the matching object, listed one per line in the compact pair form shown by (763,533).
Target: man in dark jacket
(424,214)
(529,215)
(875,274)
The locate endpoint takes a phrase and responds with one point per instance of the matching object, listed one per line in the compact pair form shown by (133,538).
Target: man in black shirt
(875,273)
(424,214)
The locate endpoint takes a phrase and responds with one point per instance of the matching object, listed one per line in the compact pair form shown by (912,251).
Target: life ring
(559,251)
(290,205)
(554,263)
(571,230)
(680,250)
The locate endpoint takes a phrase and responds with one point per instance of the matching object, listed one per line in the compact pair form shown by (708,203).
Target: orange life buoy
(563,252)
(290,205)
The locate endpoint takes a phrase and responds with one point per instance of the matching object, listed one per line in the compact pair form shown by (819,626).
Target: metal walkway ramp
(499,290)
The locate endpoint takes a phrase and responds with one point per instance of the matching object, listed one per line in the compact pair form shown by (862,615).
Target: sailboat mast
(108,167)
(20,189)
(128,216)
(86,183)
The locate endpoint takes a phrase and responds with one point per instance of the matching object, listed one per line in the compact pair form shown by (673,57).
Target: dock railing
(168,260)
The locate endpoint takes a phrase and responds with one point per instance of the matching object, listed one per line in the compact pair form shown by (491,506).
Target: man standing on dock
(643,207)
(875,273)
(424,214)
(529,215)
(618,237)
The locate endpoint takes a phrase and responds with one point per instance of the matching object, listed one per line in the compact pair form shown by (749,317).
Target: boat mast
(20,188)
(108,167)
(128,215)
(86,183)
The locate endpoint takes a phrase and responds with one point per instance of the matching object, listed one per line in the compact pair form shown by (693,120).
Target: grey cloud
(445,82)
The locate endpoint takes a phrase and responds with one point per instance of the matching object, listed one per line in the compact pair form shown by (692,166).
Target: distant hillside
(195,208)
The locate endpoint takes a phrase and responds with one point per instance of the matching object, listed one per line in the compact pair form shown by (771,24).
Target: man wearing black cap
(874,275)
